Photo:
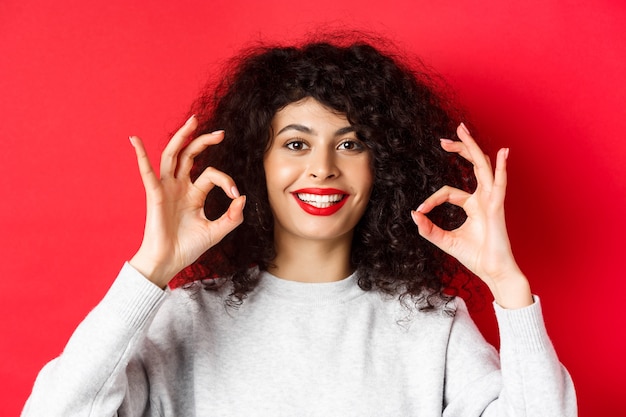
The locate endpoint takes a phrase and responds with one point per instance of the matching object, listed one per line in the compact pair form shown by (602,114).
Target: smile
(322,201)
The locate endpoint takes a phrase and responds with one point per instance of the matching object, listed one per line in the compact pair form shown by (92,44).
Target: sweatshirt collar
(310,293)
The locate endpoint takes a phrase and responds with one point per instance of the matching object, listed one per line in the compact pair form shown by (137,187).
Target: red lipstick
(311,201)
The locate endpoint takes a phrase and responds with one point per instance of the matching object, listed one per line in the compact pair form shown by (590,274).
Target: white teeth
(320,201)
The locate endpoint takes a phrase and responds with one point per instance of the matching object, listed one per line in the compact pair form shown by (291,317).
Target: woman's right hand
(177,231)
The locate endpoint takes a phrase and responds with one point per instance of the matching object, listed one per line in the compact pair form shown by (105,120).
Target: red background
(541,76)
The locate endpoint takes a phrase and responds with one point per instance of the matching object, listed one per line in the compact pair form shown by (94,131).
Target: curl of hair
(398,112)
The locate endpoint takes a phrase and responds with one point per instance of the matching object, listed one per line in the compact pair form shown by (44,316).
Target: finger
(211,177)
(185,160)
(169,157)
(489,162)
(148,176)
(482,166)
(449,145)
(459,147)
(462,149)
(228,221)
(500,177)
(445,194)
(431,232)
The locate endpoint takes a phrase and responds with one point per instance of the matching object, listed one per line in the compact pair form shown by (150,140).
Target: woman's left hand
(481,243)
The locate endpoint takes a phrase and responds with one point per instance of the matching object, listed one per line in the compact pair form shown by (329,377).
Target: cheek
(278,175)
(365,174)
(270,172)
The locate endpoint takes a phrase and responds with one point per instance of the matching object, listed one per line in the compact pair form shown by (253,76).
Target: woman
(320,295)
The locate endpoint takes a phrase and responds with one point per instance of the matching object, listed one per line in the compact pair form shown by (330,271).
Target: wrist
(512,291)
(153,271)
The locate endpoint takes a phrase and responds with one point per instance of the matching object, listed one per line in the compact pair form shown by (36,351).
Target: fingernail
(414,217)
(217,132)
(420,207)
(444,140)
(234,191)
(506,153)
(132,140)
(193,116)
(465,129)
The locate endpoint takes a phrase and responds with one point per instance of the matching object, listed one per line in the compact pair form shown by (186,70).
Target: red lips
(316,205)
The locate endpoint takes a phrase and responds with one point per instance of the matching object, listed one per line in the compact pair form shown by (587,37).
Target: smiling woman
(329,155)
(393,111)
(319,181)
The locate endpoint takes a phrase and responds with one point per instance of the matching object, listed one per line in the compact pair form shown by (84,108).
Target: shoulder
(409,313)
(186,303)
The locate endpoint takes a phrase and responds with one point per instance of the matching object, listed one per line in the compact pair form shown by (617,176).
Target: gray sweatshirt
(296,349)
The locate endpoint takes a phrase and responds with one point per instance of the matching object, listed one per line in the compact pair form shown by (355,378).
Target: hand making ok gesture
(481,243)
(177,231)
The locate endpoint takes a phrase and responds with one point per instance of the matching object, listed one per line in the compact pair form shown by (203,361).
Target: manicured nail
(193,116)
(420,207)
(465,128)
(506,153)
(132,140)
(217,132)
(234,191)
(444,140)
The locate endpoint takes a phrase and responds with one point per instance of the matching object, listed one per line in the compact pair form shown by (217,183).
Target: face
(318,174)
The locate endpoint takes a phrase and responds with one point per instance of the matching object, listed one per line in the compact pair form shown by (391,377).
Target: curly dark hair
(398,112)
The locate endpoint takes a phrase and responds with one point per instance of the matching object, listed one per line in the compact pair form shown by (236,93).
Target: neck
(312,260)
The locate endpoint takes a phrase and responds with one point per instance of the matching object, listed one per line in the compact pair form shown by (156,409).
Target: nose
(322,164)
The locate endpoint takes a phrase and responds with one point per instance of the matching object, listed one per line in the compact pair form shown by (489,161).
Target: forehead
(309,113)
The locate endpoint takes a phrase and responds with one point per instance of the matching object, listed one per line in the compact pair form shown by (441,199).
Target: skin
(313,148)
(177,231)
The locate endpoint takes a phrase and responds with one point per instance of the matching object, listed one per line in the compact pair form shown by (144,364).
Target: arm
(526,379)
(91,377)
(532,378)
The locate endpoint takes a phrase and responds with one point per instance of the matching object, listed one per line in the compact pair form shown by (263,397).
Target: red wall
(543,77)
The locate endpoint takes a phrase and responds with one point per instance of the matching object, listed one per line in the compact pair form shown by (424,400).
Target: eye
(296,145)
(350,145)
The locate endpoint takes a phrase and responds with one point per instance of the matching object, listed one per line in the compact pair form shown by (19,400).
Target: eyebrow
(306,129)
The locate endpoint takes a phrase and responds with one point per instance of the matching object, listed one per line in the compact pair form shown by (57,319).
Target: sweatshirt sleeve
(90,377)
(526,379)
